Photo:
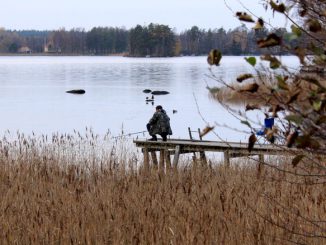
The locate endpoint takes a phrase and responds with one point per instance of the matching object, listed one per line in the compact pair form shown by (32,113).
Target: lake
(33,97)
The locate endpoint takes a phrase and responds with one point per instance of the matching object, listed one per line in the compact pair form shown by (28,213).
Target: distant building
(50,48)
(24,50)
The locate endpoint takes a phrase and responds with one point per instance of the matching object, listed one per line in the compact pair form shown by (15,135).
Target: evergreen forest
(154,40)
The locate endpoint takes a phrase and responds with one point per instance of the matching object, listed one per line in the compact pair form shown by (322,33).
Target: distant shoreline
(113,55)
(61,54)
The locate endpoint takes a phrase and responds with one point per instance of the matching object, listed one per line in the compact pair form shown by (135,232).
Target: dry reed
(73,189)
(232,94)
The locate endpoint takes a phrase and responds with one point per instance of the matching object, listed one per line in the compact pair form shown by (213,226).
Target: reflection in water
(33,98)
(193,73)
(150,103)
(151,75)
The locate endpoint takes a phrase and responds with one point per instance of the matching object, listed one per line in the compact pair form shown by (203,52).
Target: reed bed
(232,94)
(74,189)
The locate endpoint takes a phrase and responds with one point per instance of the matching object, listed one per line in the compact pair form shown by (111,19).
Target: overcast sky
(179,14)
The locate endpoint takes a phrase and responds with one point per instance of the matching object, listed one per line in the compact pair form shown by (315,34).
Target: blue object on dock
(269,122)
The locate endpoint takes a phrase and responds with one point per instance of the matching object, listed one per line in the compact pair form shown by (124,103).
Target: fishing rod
(124,135)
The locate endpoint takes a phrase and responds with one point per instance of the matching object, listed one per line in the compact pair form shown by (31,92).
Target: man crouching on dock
(159,124)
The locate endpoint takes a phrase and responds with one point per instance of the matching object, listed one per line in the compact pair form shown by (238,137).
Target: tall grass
(74,189)
(231,94)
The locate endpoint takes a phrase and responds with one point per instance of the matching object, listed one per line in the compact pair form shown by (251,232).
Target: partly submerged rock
(147,91)
(76,91)
(160,92)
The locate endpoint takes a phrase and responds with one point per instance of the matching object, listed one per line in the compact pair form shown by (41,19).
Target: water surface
(33,98)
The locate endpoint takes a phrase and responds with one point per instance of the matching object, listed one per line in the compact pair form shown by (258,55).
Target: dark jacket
(160,123)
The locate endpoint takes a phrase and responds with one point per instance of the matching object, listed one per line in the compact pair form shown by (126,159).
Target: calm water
(33,98)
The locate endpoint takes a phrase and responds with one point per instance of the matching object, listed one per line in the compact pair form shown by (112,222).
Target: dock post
(202,153)
(199,134)
(154,158)
(203,158)
(161,165)
(260,163)
(146,159)
(261,158)
(194,158)
(176,156)
(167,160)
(226,159)
(189,131)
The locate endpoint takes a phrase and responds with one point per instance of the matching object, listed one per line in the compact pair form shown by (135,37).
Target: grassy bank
(74,189)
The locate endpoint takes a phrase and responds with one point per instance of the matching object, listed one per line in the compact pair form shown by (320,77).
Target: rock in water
(160,92)
(147,91)
(76,91)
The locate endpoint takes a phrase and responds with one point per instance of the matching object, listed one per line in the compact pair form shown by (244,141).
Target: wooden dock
(179,146)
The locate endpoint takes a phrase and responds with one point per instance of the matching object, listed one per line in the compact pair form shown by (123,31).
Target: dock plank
(229,149)
(213,146)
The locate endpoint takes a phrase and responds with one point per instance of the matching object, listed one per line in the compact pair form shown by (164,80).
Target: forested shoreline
(154,40)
